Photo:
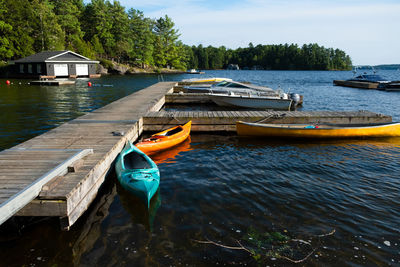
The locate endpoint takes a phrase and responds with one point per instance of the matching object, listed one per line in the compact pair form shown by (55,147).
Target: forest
(108,32)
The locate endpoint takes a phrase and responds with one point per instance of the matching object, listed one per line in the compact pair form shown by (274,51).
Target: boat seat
(135,161)
(174,131)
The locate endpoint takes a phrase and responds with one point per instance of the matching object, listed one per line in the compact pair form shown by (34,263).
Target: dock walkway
(104,131)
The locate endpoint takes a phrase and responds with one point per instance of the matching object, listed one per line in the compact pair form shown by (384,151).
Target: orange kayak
(165,139)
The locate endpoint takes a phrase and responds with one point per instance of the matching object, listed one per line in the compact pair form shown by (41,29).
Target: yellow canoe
(318,131)
(206,80)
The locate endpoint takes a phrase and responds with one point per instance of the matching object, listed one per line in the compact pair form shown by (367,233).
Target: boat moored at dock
(227,86)
(323,131)
(137,173)
(252,101)
(165,139)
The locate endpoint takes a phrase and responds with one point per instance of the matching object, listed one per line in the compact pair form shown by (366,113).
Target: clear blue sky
(367,30)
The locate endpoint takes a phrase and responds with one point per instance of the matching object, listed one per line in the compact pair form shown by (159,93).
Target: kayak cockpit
(171,132)
(134,160)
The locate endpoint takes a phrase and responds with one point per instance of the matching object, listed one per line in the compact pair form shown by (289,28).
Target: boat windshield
(223,83)
(230,85)
(370,77)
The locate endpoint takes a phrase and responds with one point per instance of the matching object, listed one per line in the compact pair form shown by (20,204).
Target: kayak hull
(165,139)
(137,173)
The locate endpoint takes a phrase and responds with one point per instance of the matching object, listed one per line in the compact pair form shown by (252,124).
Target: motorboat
(369,81)
(252,101)
(372,78)
(225,87)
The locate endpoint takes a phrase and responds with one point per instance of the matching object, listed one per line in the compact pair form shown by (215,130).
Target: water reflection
(169,155)
(137,209)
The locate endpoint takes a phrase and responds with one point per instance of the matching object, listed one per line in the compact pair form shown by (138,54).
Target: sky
(367,30)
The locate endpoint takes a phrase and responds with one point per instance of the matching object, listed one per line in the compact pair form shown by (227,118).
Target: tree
(48,33)
(19,15)
(119,30)
(98,23)
(165,52)
(141,39)
(6,50)
(68,15)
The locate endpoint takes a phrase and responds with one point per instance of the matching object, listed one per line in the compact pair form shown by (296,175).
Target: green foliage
(276,57)
(103,29)
(268,244)
(19,15)
(5,30)
(106,63)
(49,34)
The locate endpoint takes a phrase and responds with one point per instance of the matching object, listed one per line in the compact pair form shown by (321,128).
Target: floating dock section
(217,121)
(357,84)
(52,82)
(60,172)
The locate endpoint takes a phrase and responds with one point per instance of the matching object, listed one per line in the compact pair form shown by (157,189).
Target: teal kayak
(137,173)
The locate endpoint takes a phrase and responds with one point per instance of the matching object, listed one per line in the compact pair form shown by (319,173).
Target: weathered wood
(105,130)
(224,121)
(24,193)
(52,82)
(183,98)
(55,207)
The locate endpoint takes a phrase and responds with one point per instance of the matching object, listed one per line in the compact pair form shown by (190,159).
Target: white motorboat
(229,86)
(252,101)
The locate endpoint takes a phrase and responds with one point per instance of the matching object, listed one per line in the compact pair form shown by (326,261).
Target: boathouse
(55,64)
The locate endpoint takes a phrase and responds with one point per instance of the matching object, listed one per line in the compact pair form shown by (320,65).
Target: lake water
(332,203)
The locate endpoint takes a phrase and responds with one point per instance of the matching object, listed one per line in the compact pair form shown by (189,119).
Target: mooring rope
(271,117)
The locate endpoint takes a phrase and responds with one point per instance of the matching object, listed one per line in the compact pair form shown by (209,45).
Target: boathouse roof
(56,56)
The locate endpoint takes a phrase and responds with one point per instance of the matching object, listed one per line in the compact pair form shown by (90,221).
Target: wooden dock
(52,82)
(217,121)
(63,169)
(196,98)
(103,131)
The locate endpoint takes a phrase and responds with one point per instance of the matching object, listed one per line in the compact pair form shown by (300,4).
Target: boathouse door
(82,69)
(61,69)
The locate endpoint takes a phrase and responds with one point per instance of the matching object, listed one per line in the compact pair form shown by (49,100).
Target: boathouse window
(39,68)
(29,68)
(21,68)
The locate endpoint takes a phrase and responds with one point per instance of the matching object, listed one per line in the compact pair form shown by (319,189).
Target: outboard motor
(295,98)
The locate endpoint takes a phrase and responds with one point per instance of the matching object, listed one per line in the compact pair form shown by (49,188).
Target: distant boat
(251,101)
(194,71)
(318,131)
(137,173)
(393,86)
(233,67)
(369,81)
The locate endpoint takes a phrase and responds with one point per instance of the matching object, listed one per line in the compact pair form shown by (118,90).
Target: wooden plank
(23,197)
(216,120)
